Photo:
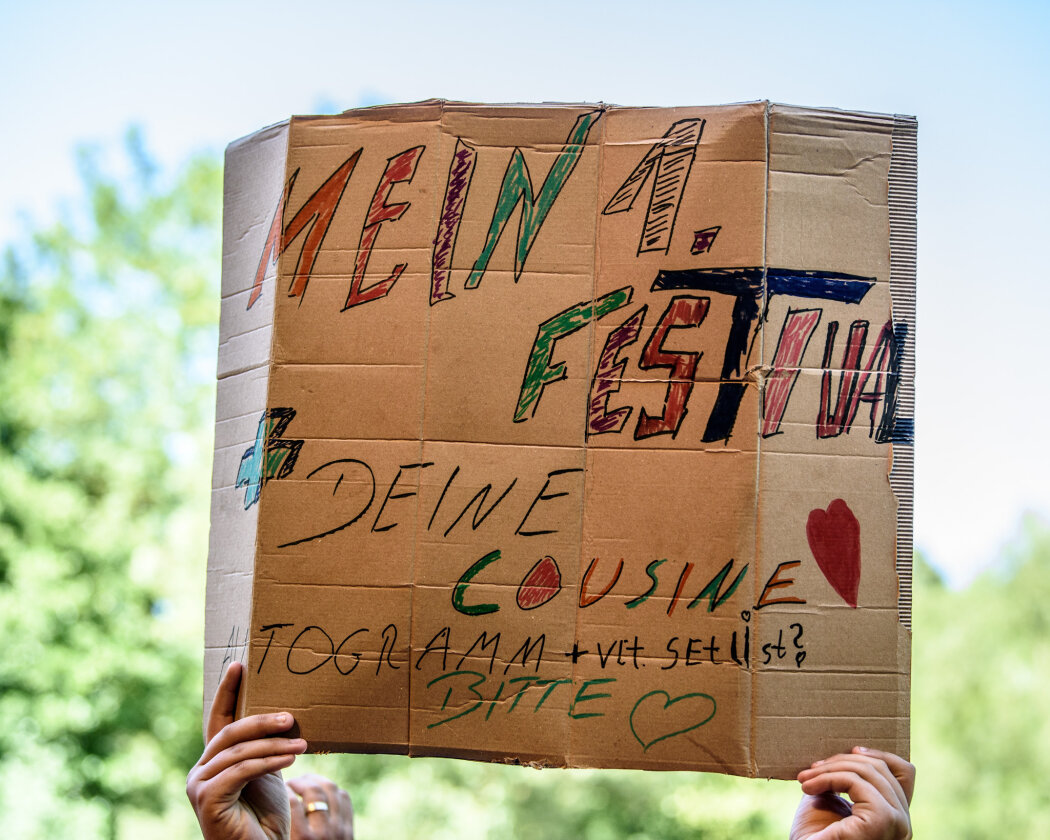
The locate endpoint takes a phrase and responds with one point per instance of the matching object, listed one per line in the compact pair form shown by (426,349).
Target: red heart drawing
(834,539)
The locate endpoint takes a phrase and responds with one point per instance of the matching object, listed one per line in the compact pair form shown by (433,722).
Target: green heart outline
(670,702)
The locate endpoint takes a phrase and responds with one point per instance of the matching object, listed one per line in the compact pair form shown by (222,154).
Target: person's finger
(873,770)
(884,788)
(316,792)
(902,770)
(300,828)
(250,728)
(869,808)
(817,812)
(227,785)
(248,750)
(224,775)
(224,706)
(346,812)
(842,830)
(337,823)
(873,813)
(830,803)
(311,786)
(857,788)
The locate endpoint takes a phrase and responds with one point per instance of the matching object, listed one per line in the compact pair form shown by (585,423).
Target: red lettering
(682,578)
(777,582)
(791,346)
(853,380)
(314,217)
(588,600)
(399,169)
(607,377)
(683,311)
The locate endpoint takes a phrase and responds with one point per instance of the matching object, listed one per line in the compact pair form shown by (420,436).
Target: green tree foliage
(981,699)
(107,340)
(443,799)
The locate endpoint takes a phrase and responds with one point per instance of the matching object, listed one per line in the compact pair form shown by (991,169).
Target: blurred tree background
(108,329)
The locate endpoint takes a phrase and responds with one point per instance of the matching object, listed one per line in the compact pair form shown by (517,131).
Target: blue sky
(196,75)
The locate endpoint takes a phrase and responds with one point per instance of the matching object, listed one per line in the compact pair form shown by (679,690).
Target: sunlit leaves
(107,322)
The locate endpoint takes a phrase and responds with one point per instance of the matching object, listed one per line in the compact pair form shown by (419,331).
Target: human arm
(880,786)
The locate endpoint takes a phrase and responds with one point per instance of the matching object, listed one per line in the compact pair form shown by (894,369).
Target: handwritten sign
(569,435)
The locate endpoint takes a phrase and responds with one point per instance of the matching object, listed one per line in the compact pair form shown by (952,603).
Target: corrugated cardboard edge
(274,273)
(243,360)
(903,203)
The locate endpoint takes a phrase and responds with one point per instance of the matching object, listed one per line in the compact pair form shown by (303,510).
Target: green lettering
(538,372)
(581,697)
(517,187)
(551,685)
(472,688)
(461,588)
(651,571)
(528,682)
(711,591)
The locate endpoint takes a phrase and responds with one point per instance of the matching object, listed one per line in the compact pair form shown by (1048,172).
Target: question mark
(800,657)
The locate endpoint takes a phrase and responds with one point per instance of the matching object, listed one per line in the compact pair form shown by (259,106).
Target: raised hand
(879,786)
(236,788)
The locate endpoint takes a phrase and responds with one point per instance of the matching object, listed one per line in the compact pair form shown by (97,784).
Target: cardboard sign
(569,434)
